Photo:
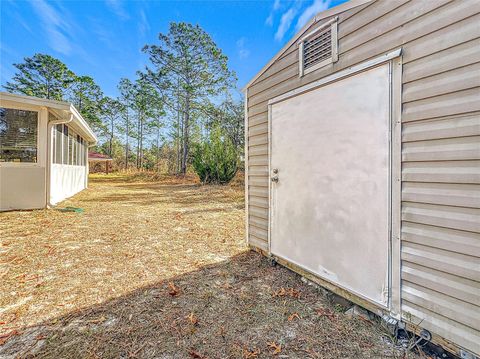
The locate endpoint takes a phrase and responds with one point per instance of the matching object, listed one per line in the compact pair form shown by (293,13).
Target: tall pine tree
(41,76)
(187,68)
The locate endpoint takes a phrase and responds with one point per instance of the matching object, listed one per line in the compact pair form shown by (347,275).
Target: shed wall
(440,149)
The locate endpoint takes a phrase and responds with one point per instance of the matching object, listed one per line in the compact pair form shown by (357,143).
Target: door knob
(274,179)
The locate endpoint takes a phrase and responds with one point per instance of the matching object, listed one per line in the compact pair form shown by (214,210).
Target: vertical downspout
(48,165)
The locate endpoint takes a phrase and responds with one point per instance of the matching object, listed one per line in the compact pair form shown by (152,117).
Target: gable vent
(318,48)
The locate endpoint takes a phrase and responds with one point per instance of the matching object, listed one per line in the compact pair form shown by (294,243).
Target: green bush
(216,159)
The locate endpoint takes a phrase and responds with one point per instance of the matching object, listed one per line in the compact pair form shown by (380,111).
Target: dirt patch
(131,234)
(160,270)
(239,308)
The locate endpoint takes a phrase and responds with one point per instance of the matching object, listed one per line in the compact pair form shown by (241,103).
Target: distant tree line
(178,111)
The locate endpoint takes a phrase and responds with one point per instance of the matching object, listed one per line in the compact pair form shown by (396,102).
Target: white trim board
(396,66)
(318,29)
(246,155)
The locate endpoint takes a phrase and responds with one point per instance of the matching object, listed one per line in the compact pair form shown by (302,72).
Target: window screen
(82,155)
(75,150)
(70,148)
(58,143)
(54,141)
(77,143)
(65,145)
(18,135)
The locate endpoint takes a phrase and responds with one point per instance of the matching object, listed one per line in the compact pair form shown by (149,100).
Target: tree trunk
(111,139)
(185,136)
(126,144)
(181,141)
(141,142)
(179,132)
(178,143)
(138,141)
(157,157)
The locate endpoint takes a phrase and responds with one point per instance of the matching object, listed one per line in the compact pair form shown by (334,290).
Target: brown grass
(157,268)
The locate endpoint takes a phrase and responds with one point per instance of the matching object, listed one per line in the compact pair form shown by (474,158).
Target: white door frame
(395,73)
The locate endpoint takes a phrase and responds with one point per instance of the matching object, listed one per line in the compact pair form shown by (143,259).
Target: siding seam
(446,250)
(439,314)
(440,138)
(440,94)
(438,270)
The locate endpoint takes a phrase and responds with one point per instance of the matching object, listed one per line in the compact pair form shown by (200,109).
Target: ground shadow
(112,178)
(239,308)
(140,177)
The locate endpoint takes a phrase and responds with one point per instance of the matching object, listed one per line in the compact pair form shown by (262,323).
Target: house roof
(320,16)
(98,156)
(63,110)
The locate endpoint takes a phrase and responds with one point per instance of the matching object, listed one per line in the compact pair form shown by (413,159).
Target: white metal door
(330,209)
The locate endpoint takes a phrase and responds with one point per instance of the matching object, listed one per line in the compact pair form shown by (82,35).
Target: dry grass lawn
(159,269)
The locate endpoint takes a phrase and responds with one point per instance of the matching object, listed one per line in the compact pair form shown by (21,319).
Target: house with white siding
(43,152)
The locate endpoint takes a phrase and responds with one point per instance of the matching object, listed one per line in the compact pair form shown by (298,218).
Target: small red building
(99,162)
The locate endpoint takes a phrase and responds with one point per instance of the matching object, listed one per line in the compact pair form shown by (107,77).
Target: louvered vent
(317,48)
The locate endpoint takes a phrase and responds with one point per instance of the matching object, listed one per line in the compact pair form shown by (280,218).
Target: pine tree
(87,97)
(41,76)
(187,68)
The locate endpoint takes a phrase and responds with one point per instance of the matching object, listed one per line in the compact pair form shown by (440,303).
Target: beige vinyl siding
(445,34)
(440,149)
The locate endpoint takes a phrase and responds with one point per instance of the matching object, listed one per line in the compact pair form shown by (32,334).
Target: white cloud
(55,25)
(311,11)
(276,6)
(62,33)
(285,23)
(143,25)
(269,20)
(19,19)
(243,52)
(117,8)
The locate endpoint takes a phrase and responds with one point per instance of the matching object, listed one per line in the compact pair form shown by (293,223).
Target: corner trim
(246,154)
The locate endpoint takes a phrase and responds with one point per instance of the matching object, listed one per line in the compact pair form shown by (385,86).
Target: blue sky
(103,39)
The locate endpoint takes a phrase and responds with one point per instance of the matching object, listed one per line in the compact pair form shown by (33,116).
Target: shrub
(216,159)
